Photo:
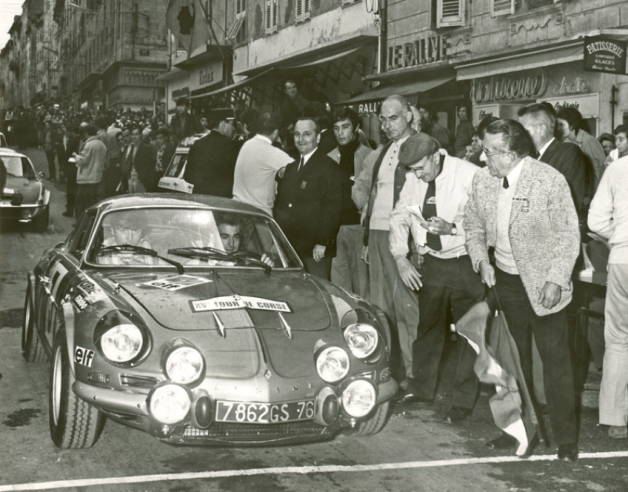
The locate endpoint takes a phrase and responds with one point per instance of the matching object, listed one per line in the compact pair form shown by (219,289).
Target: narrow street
(416,450)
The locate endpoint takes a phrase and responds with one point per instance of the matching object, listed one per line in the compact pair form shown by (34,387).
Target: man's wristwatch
(454,229)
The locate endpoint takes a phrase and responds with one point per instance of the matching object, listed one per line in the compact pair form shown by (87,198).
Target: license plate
(264,413)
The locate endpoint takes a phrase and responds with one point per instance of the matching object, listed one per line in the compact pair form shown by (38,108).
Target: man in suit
(309,201)
(523,208)
(567,158)
(212,159)
(138,163)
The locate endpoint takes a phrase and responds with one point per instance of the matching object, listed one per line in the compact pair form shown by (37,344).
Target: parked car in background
(191,317)
(172,180)
(25,198)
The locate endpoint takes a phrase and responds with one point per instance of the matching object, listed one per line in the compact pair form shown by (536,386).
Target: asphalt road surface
(416,451)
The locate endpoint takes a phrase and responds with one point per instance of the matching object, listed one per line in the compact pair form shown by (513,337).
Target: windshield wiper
(207,252)
(144,251)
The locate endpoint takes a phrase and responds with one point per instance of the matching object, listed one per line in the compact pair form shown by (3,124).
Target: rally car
(172,180)
(191,317)
(24,198)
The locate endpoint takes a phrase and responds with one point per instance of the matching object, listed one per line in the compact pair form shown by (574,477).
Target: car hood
(289,312)
(239,299)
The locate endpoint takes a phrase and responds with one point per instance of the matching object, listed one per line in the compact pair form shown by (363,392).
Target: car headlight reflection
(359,398)
(170,404)
(362,339)
(122,343)
(184,365)
(332,364)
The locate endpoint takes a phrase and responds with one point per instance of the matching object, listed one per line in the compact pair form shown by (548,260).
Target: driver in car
(230,229)
(128,229)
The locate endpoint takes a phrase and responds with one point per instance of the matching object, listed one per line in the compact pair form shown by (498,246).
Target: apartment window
(237,31)
(271,16)
(502,7)
(450,13)
(302,11)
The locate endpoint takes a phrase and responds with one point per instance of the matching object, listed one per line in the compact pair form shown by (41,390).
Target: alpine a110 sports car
(191,317)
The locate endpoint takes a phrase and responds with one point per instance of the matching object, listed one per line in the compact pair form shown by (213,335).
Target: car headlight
(170,404)
(359,398)
(184,365)
(122,343)
(332,364)
(362,339)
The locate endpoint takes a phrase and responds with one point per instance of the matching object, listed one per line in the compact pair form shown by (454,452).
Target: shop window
(302,11)
(271,16)
(502,7)
(450,13)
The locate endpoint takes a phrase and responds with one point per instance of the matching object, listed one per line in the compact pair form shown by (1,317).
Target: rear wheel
(32,348)
(40,221)
(374,423)
(74,424)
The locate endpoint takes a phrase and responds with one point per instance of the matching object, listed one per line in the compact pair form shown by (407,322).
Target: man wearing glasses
(431,207)
(523,208)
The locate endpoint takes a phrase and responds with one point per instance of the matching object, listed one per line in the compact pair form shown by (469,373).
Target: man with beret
(431,207)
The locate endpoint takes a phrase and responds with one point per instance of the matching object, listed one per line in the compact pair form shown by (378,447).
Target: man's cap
(416,147)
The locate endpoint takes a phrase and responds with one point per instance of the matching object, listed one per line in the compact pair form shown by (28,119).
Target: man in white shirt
(608,217)
(258,164)
(431,207)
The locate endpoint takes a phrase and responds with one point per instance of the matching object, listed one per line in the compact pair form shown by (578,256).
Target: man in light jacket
(90,165)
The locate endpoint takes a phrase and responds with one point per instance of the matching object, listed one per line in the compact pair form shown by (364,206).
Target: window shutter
(450,13)
(502,7)
(271,16)
(302,11)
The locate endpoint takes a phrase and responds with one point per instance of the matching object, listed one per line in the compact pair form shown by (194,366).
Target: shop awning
(405,89)
(553,55)
(237,85)
(314,56)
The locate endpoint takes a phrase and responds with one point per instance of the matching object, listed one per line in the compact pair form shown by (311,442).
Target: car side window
(81,237)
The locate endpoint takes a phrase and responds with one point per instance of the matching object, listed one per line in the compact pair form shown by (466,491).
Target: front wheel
(373,424)
(74,424)
(32,348)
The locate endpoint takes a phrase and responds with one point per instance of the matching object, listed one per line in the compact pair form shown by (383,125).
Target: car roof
(187,142)
(174,200)
(5,151)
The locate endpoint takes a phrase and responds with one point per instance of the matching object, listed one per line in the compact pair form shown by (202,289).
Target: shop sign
(183,92)
(509,87)
(604,55)
(578,86)
(369,108)
(588,104)
(206,76)
(481,112)
(431,49)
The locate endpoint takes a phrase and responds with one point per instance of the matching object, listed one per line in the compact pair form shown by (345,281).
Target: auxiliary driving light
(184,365)
(359,398)
(362,339)
(170,404)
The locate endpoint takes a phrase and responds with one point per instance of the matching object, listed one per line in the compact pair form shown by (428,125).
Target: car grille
(257,432)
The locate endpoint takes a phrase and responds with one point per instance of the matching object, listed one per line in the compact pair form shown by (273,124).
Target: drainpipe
(383,34)
(613,102)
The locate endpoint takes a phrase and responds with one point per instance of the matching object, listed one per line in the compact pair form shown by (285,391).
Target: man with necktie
(431,207)
(308,206)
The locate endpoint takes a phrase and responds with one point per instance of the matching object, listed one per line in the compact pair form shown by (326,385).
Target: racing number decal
(57,274)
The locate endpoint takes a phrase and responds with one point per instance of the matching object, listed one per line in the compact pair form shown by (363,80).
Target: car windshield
(190,237)
(19,167)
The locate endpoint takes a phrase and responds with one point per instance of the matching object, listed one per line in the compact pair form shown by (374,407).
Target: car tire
(373,424)
(32,348)
(74,423)
(40,222)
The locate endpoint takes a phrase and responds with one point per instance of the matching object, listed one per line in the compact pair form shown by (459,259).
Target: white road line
(302,470)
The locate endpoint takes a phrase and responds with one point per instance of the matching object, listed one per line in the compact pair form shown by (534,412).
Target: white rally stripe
(301,470)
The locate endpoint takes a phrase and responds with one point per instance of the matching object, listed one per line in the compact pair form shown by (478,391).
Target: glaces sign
(604,55)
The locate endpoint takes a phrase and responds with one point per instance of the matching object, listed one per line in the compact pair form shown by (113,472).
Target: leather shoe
(456,414)
(410,397)
(568,452)
(505,441)
(67,213)
(618,431)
